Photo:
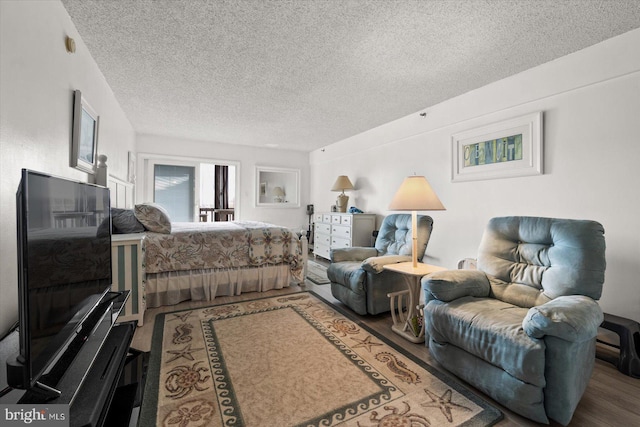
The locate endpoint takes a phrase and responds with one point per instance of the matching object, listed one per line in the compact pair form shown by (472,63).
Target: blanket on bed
(199,245)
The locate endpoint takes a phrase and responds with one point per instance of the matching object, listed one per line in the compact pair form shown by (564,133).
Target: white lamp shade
(342,183)
(415,194)
(278,191)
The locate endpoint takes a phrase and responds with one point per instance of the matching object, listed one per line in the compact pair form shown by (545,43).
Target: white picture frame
(268,178)
(505,149)
(84,135)
(131,168)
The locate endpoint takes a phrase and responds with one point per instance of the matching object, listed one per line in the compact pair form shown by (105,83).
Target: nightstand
(128,273)
(403,321)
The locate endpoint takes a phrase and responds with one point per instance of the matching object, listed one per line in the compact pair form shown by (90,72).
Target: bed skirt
(173,287)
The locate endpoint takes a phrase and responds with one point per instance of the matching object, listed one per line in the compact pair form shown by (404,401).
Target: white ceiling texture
(302,74)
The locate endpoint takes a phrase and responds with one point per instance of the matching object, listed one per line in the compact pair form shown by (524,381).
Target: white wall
(591,105)
(248,158)
(37,80)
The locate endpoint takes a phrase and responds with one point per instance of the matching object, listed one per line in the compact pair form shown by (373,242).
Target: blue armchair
(356,274)
(522,327)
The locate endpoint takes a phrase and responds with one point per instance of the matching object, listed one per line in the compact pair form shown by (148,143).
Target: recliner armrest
(356,253)
(375,264)
(453,284)
(573,318)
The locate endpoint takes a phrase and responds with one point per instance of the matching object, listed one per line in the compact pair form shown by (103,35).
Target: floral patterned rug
(293,361)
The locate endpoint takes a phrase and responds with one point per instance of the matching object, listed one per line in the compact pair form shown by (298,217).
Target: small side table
(402,320)
(128,273)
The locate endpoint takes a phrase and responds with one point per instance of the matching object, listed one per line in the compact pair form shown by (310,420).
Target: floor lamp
(415,194)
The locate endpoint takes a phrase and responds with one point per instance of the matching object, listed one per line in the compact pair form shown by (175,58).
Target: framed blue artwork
(84,136)
(504,149)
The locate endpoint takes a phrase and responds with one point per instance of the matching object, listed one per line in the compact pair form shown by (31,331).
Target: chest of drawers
(341,230)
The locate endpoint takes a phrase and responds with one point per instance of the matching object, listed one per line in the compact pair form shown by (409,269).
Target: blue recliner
(522,327)
(356,274)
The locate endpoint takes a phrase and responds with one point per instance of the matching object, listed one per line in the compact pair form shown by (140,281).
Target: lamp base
(341,202)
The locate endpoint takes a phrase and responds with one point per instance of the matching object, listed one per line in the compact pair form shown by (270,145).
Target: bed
(199,261)
(202,260)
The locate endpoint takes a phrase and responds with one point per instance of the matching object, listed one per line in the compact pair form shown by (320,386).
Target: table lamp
(278,194)
(341,184)
(415,194)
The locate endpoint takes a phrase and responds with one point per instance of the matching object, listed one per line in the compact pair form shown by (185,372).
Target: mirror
(277,187)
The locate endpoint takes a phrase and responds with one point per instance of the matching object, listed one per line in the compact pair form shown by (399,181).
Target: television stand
(47,392)
(87,375)
(93,400)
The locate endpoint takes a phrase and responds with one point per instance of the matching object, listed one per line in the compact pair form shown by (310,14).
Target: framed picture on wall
(131,169)
(84,138)
(277,187)
(503,149)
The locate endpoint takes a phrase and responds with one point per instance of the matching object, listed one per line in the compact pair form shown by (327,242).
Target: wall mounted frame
(84,136)
(505,149)
(268,178)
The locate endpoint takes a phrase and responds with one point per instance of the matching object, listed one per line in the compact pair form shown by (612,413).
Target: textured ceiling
(303,73)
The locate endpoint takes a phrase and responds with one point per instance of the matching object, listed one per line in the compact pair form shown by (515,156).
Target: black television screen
(64,261)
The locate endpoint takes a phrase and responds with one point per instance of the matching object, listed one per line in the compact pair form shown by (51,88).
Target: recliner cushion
(491,330)
(375,264)
(532,260)
(395,236)
(348,274)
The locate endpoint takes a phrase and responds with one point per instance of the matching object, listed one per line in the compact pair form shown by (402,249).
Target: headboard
(121,193)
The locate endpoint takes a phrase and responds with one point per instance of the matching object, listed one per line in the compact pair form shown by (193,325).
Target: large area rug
(293,361)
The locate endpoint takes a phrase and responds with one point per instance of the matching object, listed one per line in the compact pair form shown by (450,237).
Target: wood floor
(611,399)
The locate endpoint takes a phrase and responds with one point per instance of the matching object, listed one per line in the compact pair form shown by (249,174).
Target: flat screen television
(64,267)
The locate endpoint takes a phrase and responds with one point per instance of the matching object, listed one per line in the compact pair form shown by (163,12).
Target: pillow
(123,221)
(154,217)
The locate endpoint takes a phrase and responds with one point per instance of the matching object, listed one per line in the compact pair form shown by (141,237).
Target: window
(174,189)
(188,187)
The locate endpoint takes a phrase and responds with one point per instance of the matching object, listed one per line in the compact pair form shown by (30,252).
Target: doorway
(217,192)
(191,189)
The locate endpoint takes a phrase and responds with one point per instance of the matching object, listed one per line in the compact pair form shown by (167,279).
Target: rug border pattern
(229,407)
(490,415)
(224,387)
